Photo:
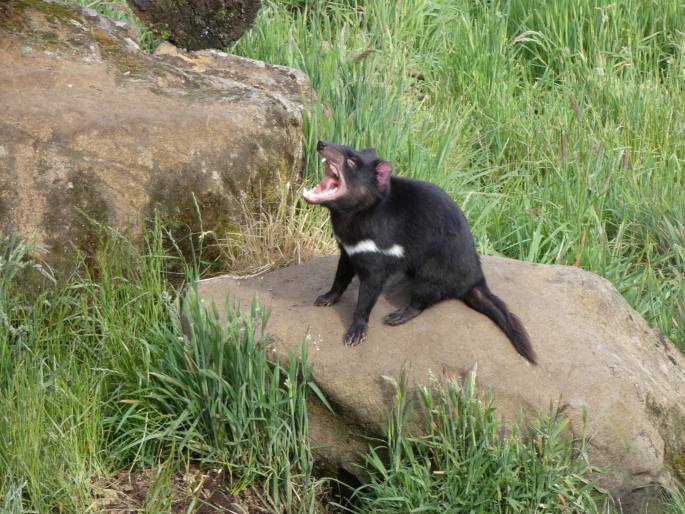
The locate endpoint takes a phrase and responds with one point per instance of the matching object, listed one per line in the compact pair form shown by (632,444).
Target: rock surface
(92,125)
(198,24)
(600,364)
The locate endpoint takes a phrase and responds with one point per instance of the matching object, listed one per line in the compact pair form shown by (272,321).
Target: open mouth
(332,185)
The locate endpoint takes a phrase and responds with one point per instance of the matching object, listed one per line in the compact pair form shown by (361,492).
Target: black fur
(439,252)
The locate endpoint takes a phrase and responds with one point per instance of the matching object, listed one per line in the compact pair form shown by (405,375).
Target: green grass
(96,377)
(675,501)
(462,463)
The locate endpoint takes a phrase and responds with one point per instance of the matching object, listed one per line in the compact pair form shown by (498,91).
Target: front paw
(355,335)
(327,299)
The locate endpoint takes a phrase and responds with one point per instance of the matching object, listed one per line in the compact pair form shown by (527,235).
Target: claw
(355,335)
(326,299)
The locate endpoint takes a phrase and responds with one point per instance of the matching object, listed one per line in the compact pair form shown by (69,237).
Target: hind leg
(423,295)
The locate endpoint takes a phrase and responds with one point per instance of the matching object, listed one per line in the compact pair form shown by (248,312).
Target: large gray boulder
(613,377)
(93,127)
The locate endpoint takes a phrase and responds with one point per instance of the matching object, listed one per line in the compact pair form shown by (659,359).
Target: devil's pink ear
(383,171)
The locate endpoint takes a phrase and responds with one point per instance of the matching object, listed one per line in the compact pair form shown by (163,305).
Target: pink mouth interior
(330,187)
(329,181)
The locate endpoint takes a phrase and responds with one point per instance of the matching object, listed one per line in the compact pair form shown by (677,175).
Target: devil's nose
(321,145)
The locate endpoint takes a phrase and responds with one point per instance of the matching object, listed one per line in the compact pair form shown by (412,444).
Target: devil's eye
(351,163)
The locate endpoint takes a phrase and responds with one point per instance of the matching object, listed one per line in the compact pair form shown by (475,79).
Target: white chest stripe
(369,246)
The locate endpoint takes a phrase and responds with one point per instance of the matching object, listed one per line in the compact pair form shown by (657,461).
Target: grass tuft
(465,463)
(97,376)
(214,397)
(271,237)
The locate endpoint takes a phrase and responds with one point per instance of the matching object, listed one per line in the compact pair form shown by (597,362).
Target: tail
(481,299)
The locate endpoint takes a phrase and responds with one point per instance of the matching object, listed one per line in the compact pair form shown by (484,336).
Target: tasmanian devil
(386,224)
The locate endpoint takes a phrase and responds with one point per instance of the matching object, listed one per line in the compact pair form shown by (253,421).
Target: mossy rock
(198,24)
(95,132)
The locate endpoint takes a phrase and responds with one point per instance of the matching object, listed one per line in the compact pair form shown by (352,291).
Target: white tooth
(323,160)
